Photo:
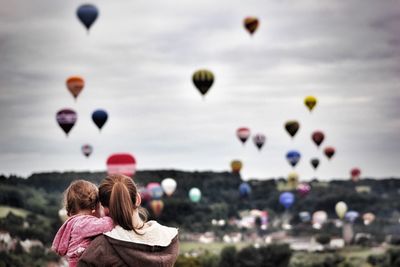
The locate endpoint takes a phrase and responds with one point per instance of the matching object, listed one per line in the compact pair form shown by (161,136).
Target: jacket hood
(154,234)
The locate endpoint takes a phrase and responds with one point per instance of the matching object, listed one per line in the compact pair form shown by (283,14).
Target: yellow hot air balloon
(341,209)
(236,166)
(310,102)
(293,180)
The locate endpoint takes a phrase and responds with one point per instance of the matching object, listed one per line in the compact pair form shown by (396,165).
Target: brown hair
(119,194)
(80,195)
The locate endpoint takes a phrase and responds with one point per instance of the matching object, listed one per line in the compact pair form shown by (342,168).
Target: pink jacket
(75,235)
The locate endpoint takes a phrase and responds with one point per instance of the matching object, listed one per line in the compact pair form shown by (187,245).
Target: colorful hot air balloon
(169,186)
(341,209)
(251,24)
(351,216)
(243,134)
(286,199)
(292,127)
(122,163)
(293,157)
(259,140)
(195,194)
(87,14)
(329,152)
(155,190)
(315,163)
(156,206)
(203,80)
(318,137)
(99,117)
(368,218)
(87,150)
(355,174)
(66,118)
(310,102)
(236,166)
(303,189)
(144,195)
(244,190)
(75,85)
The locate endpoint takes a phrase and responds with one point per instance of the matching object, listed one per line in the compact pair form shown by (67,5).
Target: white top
(154,234)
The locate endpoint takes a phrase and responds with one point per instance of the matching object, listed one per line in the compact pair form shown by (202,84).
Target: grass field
(214,247)
(4,210)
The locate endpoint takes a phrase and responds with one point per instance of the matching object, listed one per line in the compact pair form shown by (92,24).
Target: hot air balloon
(293,157)
(329,152)
(303,189)
(368,218)
(99,117)
(251,24)
(75,85)
(66,118)
(293,180)
(122,163)
(292,127)
(244,190)
(319,218)
(304,216)
(243,134)
(351,216)
(157,206)
(315,163)
(155,190)
(203,80)
(355,174)
(169,186)
(341,209)
(144,195)
(259,140)
(195,194)
(87,150)
(318,137)
(63,214)
(87,14)
(286,199)
(236,166)
(310,102)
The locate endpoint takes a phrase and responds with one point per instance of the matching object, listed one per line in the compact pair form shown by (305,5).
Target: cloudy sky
(138,61)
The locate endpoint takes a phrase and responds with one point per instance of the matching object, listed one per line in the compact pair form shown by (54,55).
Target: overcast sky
(138,61)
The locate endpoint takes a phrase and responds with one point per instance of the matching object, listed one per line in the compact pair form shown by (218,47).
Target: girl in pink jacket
(81,201)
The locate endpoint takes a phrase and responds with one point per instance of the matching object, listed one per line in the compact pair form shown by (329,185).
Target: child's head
(81,195)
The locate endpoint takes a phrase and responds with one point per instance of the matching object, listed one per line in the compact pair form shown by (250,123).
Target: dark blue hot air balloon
(293,157)
(87,14)
(99,117)
(286,199)
(244,190)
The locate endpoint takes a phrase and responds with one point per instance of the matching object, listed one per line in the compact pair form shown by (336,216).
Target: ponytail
(121,206)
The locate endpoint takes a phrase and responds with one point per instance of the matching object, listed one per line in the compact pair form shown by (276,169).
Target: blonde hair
(80,195)
(119,194)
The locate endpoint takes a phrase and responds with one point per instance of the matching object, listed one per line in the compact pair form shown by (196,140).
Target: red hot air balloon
(329,152)
(75,85)
(122,163)
(87,150)
(318,137)
(66,118)
(355,174)
(243,134)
